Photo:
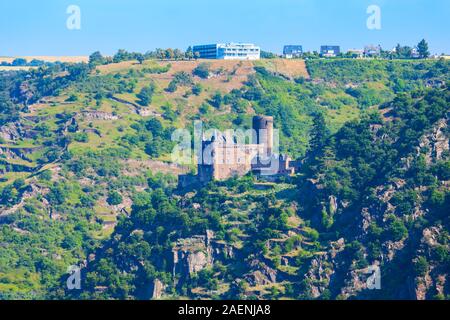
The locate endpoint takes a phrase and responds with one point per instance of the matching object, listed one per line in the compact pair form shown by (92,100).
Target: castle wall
(233,160)
(264,132)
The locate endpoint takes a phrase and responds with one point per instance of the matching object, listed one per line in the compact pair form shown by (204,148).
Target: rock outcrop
(436,142)
(261,275)
(192,255)
(319,275)
(158,289)
(98,115)
(10,131)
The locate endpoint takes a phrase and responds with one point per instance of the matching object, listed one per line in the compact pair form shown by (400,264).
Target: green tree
(146,95)
(169,54)
(160,54)
(189,53)
(397,230)
(9,196)
(197,89)
(154,126)
(152,150)
(268,55)
(96,59)
(19,183)
(114,198)
(79,71)
(403,52)
(178,54)
(422,47)
(204,108)
(57,195)
(319,135)
(140,58)
(121,55)
(172,87)
(19,62)
(421,266)
(217,100)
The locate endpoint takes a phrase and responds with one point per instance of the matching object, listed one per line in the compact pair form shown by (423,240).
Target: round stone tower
(264,132)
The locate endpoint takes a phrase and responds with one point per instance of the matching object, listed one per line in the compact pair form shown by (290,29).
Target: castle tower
(263,126)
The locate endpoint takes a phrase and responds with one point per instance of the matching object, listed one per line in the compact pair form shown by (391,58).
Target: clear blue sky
(39,27)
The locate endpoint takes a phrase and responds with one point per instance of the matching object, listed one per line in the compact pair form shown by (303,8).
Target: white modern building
(228,51)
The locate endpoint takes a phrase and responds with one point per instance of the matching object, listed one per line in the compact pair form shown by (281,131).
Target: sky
(40,27)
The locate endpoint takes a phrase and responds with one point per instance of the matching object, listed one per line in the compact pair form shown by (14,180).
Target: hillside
(86,179)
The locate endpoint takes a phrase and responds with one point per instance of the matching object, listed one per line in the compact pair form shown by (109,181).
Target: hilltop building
(415,53)
(372,51)
(357,53)
(226,158)
(229,51)
(292,51)
(330,51)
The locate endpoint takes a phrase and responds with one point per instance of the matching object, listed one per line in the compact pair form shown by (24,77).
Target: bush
(46,175)
(9,196)
(152,150)
(18,184)
(217,100)
(172,87)
(204,108)
(168,113)
(202,70)
(197,89)
(72,98)
(180,79)
(421,266)
(81,137)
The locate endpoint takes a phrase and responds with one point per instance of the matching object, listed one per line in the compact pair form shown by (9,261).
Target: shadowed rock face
(10,132)
(192,255)
(197,253)
(197,261)
(262,275)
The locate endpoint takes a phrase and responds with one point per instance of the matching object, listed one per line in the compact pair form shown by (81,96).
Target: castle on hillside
(223,157)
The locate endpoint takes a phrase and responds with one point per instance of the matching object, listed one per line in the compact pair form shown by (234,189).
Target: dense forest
(86,180)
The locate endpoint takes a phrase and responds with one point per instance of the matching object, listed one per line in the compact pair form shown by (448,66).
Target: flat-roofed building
(355,53)
(372,51)
(330,51)
(207,51)
(228,51)
(292,51)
